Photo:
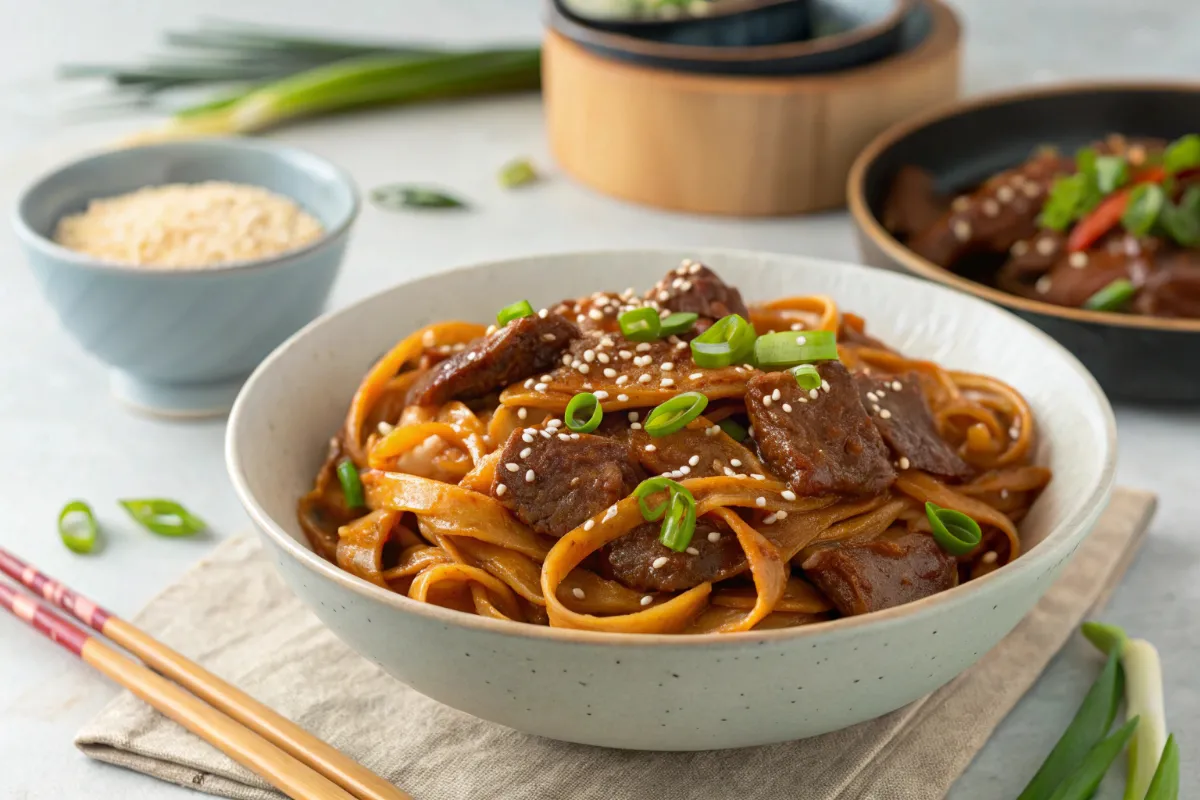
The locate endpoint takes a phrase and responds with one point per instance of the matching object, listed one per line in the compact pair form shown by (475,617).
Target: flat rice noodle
(507,419)
(714,619)
(799,596)
(446,509)
(414,559)
(360,545)
(926,488)
(480,478)
(323,510)
(502,602)
(863,526)
(823,307)
(1022,414)
(407,351)
(392,401)
(455,423)
(522,573)
(600,595)
(1011,479)
(768,569)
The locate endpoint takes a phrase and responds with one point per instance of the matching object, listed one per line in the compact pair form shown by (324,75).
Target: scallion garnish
(517,310)
(954,531)
(653,486)
(77,527)
(733,429)
(1065,202)
(640,324)
(675,413)
(730,340)
(1111,173)
(586,404)
(517,173)
(397,196)
(1182,154)
(352,487)
(807,377)
(789,348)
(1146,201)
(1182,220)
(679,322)
(1111,297)
(679,508)
(164,517)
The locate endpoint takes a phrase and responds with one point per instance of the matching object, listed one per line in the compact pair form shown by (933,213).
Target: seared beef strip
(1173,289)
(522,348)
(913,204)
(896,567)
(630,560)
(693,287)
(822,441)
(554,484)
(908,428)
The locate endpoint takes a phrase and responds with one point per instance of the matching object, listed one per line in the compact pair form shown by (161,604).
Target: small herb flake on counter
(518,172)
(396,197)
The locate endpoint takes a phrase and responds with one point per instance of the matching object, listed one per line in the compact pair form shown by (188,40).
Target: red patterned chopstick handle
(43,619)
(77,606)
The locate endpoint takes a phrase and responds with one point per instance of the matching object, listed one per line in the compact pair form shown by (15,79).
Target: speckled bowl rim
(1051,547)
(860,209)
(56,251)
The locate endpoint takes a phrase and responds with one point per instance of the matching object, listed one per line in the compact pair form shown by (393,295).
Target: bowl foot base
(176,400)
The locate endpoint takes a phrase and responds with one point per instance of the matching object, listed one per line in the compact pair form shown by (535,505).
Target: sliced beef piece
(599,311)
(1042,269)
(715,454)
(1173,288)
(522,348)
(912,204)
(820,442)
(574,477)
(630,559)
(695,288)
(908,427)
(894,568)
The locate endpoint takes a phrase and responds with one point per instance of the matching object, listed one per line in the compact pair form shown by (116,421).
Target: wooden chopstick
(277,730)
(281,770)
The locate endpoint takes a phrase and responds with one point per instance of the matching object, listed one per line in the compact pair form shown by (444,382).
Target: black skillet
(1133,357)
(730,23)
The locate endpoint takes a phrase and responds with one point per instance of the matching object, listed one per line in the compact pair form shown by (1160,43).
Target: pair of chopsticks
(290,758)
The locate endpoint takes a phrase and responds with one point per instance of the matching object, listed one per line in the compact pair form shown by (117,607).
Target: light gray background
(62,436)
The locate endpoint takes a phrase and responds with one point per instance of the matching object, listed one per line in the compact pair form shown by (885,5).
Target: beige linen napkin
(234,615)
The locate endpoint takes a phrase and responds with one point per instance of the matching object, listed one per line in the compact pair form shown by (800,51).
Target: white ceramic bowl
(670,692)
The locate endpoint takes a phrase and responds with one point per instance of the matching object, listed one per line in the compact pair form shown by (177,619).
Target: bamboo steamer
(734,145)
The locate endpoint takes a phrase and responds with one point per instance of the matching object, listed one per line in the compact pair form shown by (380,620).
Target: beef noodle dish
(1114,227)
(673,462)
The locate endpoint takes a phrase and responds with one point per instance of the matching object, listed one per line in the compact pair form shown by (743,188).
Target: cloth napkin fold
(233,614)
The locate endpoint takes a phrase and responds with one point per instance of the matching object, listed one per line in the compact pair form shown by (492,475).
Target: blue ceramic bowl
(180,342)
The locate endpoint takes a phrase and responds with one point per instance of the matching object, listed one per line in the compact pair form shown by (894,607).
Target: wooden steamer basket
(734,145)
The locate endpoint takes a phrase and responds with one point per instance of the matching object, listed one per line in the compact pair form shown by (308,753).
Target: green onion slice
(1182,154)
(654,486)
(517,173)
(807,377)
(1182,220)
(730,340)
(674,414)
(679,322)
(352,486)
(398,196)
(1065,202)
(1112,172)
(733,429)
(515,311)
(1146,201)
(1165,784)
(794,347)
(680,523)
(1111,297)
(954,531)
(581,404)
(640,324)
(164,517)
(77,527)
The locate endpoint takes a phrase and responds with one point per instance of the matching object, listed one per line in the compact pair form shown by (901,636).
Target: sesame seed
(694,268)
(775,395)
(885,414)
(1014,432)
(813,393)
(554,423)
(545,379)
(667,366)
(961,203)
(696,376)
(522,413)
(730,472)
(760,501)
(1019,248)
(1078,260)
(542,312)
(511,467)
(796,326)
(584,369)
(769,519)
(564,437)
(714,536)
(659,562)
(694,460)
(566,359)
(1046,245)
(643,347)
(524,454)
(385,428)
(625,354)
(603,358)
(591,523)
(525,437)
(681,345)
(622,380)
(589,355)
(990,208)
(691,551)
(635,426)
(529,476)
(758,477)
(622,398)
(601,394)
(824,386)
(737,462)
(787,408)
(529,383)
(1043,284)
(990,557)
(644,377)
(546,434)
(897,386)
(788,494)
(1032,189)
(961,229)
(1004,194)
(501,489)
(684,470)
(647,600)
(780,515)
(904,463)
(548,337)
(664,296)
(540,387)
(713,431)
(596,314)
(801,340)
(1004,494)
(767,400)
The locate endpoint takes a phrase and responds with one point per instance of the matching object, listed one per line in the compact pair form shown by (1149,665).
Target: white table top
(63,436)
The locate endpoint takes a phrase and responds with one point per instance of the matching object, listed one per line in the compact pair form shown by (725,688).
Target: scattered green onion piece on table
(514,311)
(1090,725)
(1146,202)
(1111,297)
(583,403)
(729,340)
(352,487)
(652,486)
(77,527)
(517,173)
(1084,781)
(1165,785)
(640,324)
(164,517)
(679,322)
(807,377)
(954,531)
(733,429)
(789,348)
(397,196)
(680,523)
(1182,154)
(1112,172)
(674,414)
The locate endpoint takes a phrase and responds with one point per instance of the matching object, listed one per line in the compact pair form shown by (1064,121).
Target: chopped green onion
(1084,781)
(352,486)
(1085,160)
(654,486)
(582,403)
(1111,297)
(954,531)
(807,377)
(640,324)
(1065,202)
(517,173)
(1106,638)
(729,340)
(1146,202)
(1091,723)
(396,197)
(790,348)
(514,311)
(1182,220)
(1111,173)
(677,323)
(733,429)
(1165,785)
(675,413)
(77,527)
(164,517)
(680,523)
(1182,154)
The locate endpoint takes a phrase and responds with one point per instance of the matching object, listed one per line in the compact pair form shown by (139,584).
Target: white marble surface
(63,436)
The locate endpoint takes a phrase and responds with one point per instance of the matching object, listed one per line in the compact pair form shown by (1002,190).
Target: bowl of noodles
(750,498)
